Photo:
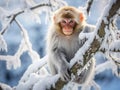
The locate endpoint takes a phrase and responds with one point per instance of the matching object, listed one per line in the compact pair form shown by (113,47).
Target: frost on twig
(3,45)
(37,68)
(88,6)
(40,77)
(110,45)
(5,87)
(11,16)
(11,61)
(24,46)
(93,44)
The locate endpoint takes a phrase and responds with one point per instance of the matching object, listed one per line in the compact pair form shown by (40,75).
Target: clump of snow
(46,83)
(115,45)
(28,85)
(5,87)
(35,79)
(99,68)
(35,68)
(11,61)
(3,45)
(27,44)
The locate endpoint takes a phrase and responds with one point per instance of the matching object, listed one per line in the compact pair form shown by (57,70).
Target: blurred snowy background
(37,30)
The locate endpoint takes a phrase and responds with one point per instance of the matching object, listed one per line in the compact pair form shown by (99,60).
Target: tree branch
(88,6)
(20,12)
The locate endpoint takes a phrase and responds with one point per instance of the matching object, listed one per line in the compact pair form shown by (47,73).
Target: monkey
(62,40)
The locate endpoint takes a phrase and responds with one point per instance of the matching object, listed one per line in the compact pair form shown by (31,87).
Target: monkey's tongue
(67,30)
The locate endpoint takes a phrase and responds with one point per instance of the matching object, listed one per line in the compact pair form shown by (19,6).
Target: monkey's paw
(65,74)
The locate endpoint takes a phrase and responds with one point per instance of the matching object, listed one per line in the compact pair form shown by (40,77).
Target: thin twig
(20,12)
(8,23)
(88,6)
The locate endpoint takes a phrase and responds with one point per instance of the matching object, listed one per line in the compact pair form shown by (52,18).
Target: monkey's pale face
(67,25)
(68,20)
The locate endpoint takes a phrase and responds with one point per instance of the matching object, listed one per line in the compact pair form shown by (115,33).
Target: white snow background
(37,28)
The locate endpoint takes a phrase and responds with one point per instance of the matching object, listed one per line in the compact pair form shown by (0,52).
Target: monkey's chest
(70,47)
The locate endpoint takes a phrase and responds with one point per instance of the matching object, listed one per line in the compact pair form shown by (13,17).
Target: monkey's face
(68,18)
(67,25)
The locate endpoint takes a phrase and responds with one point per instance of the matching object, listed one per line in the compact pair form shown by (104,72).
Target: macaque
(63,41)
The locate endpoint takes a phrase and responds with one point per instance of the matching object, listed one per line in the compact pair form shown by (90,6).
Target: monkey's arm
(61,63)
(57,57)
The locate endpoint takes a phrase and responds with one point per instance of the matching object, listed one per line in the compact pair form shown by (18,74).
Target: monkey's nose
(68,20)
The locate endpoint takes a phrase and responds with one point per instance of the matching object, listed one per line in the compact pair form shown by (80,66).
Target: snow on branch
(35,68)
(32,79)
(14,61)
(109,42)
(3,45)
(14,14)
(11,61)
(27,44)
(88,6)
(37,77)
(5,87)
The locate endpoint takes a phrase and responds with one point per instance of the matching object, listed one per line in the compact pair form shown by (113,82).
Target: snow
(3,45)
(46,83)
(27,44)
(115,45)
(99,68)
(5,87)
(37,76)
(34,68)
(11,61)
(29,84)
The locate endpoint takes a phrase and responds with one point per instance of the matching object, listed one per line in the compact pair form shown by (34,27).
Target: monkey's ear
(54,17)
(81,17)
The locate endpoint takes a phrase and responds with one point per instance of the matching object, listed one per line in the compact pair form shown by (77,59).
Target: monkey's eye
(63,21)
(71,21)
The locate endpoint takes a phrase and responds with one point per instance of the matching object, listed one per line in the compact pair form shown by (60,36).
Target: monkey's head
(68,20)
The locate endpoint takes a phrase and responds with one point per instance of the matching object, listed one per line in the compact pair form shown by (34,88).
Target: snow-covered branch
(102,39)
(31,6)
(88,6)
(13,15)
(23,47)
(109,41)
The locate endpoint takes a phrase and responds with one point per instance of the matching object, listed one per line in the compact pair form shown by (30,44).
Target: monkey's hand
(65,72)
